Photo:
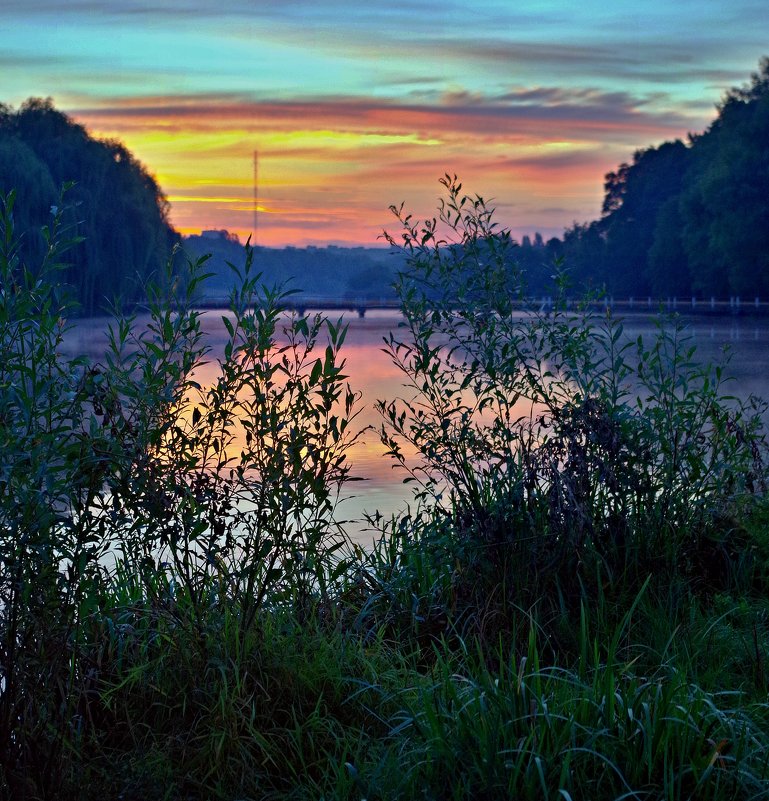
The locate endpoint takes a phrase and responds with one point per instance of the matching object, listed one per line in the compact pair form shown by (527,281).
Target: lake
(372,373)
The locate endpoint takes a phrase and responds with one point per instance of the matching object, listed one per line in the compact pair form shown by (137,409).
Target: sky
(354,106)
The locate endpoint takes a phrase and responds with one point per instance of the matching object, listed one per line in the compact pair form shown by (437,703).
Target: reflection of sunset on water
(371,372)
(368,370)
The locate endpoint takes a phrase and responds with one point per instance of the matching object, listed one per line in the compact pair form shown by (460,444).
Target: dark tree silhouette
(117,206)
(687,217)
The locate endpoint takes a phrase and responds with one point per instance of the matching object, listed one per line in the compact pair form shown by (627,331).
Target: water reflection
(372,373)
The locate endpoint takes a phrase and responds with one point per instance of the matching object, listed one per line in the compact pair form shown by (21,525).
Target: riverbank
(573,604)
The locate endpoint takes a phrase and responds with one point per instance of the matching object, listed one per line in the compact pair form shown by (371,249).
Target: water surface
(372,373)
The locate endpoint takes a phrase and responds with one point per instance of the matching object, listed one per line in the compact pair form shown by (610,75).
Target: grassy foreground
(575,606)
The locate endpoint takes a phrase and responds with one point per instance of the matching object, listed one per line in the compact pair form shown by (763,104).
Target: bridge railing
(690,305)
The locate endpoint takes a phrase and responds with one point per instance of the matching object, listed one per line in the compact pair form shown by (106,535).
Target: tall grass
(573,607)
(597,729)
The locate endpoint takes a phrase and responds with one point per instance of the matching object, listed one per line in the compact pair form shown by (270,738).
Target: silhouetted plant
(50,479)
(129,473)
(177,617)
(552,455)
(232,486)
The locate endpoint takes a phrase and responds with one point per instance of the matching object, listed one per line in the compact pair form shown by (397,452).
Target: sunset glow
(352,108)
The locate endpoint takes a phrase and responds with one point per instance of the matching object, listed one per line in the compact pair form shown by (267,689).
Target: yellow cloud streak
(322,183)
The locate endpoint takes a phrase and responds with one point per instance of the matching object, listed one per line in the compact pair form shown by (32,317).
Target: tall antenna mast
(256,198)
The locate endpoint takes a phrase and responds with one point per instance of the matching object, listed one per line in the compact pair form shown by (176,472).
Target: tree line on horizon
(339,273)
(684,218)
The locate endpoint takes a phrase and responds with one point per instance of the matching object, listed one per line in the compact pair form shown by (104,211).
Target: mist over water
(371,372)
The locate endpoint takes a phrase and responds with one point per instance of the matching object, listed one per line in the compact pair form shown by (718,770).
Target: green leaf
(315,374)
(228,325)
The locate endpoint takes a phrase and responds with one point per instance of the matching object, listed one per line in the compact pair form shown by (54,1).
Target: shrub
(132,497)
(554,459)
(177,617)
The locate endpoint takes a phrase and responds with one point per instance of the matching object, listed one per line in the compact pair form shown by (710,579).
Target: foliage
(179,618)
(519,729)
(687,219)
(130,473)
(48,479)
(554,459)
(118,207)
(234,482)
(724,207)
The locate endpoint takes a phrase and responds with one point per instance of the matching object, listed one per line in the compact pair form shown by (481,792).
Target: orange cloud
(330,167)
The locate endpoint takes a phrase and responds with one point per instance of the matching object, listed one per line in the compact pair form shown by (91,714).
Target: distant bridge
(301,303)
